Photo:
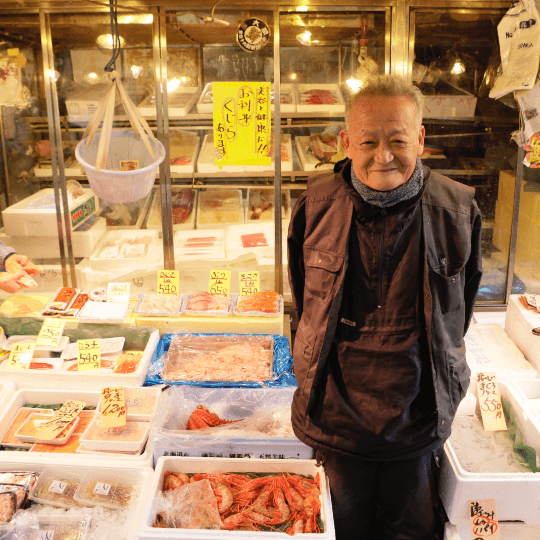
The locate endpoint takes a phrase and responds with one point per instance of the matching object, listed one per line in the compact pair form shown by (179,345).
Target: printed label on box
(102,489)
(57,486)
(81,212)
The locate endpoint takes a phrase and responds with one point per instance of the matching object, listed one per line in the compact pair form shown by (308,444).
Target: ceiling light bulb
(458,68)
(92,75)
(302,8)
(106,41)
(354,84)
(172,85)
(304,38)
(136,71)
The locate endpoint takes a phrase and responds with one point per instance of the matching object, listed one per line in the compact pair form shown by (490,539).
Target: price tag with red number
(489,399)
(250,283)
(89,354)
(220,282)
(168,282)
(113,407)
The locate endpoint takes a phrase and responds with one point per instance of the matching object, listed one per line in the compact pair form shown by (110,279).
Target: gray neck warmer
(384,199)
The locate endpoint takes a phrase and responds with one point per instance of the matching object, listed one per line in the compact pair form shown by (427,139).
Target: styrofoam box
(526,390)
(205,108)
(143,475)
(74,170)
(179,102)
(154,214)
(233,201)
(84,103)
(307,159)
(184,144)
(286,165)
(285,212)
(508,531)
(19,220)
(519,324)
(517,494)
(234,235)
(449,106)
(47,247)
(49,397)
(489,349)
(85,380)
(7,389)
(338,107)
(239,465)
(98,262)
(205,161)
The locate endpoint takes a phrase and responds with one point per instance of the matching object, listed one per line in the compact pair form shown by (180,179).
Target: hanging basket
(112,184)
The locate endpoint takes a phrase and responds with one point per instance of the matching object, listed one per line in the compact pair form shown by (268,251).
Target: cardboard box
(449,106)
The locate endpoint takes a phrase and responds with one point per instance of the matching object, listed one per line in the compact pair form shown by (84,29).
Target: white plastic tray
(289,89)
(308,160)
(179,102)
(104,312)
(205,244)
(207,313)
(235,243)
(55,441)
(154,214)
(239,465)
(116,441)
(159,313)
(106,489)
(269,213)
(183,145)
(302,106)
(10,341)
(48,309)
(232,205)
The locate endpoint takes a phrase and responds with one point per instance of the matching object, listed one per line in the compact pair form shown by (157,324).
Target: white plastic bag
(519,40)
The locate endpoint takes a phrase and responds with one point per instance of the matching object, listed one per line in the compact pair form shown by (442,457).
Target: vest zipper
(381,262)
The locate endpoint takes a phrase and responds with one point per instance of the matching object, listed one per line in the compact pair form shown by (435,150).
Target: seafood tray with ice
(492,465)
(254,237)
(160,304)
(267,497)
(319,98)
(227,422)
(208,304)
(222,360)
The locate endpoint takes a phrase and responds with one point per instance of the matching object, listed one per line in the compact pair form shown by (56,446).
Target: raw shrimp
(224,497)
(172,480)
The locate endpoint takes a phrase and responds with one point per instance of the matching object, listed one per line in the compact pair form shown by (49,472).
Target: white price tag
(57,486)
(45,535)
(102,489)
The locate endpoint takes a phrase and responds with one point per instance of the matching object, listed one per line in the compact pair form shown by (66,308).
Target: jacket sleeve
(295,250)
(5,252)
(473,269)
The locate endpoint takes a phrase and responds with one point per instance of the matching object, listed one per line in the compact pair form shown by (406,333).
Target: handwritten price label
(113,407)
(89,354)
(118,293)
(250,283)
(60,420)
(51,332)
(168,282)
(489,399)
(21,355)
(483,520)
(220,282)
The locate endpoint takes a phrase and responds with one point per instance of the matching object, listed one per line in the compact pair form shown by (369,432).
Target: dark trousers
(383,500)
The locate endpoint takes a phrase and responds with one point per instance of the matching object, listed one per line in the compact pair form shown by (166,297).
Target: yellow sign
(242,123)
(168,282)
(60,420)
(220,282)
(113,407)
(483,520)
(489,398)
(250,283)
(21,355)
(13,52)
(118,293)
(51,332)
(89,354)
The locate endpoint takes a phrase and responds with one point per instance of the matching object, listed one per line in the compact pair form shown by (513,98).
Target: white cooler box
(84,239)
(517,494)
(507,531)
(21,219)
(519,324)
(489,349)
(242,465)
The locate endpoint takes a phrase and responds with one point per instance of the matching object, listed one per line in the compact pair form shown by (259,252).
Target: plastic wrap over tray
(170,360)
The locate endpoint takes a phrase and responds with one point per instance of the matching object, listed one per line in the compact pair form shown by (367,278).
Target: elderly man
(384,266)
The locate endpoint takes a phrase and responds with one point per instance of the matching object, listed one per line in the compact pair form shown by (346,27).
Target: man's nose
(383,153)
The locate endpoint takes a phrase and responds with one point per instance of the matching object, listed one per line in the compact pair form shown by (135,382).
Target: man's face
(383,141)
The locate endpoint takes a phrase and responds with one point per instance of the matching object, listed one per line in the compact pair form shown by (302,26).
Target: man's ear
(344,134)
(421,138)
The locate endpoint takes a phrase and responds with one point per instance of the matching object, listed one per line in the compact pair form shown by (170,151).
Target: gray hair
(389,86)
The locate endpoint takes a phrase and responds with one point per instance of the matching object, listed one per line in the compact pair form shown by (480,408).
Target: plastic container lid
(107,346)
(105,490)
(64,526)
(35,421)
(57,486)
(130,437)
(104,312)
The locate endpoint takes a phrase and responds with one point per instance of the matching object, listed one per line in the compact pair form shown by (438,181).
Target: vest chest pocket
(447,282)
(322,268)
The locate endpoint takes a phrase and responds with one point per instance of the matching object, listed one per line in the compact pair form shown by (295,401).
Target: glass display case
(199,217)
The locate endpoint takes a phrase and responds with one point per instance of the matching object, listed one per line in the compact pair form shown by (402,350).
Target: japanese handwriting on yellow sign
(220,282)
(242,123)
(113,407)
(89,354)
(21,355)
(168,282)
(250,283)
(490,402)
(60,420)
(51,332)
(118,293)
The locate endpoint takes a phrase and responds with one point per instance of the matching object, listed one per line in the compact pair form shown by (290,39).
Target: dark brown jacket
(318,257)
